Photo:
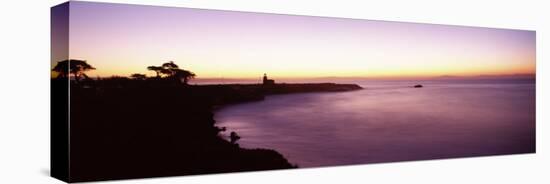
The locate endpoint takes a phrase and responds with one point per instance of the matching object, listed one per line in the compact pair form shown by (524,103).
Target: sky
(120,40)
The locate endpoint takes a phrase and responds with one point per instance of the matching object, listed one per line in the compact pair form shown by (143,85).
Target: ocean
(390,121)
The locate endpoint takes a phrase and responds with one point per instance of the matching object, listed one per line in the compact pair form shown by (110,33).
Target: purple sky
(122,39)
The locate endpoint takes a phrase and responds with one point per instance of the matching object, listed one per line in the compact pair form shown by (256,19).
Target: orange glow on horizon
(358,72)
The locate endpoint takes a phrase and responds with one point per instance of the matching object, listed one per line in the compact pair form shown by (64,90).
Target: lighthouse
(267,81)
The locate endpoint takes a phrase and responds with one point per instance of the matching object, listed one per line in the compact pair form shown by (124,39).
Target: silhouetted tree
(166,72)
(183,74)
(72,66)
(172,70)
(138,76)
(170,65)
(156,69)
(169,68)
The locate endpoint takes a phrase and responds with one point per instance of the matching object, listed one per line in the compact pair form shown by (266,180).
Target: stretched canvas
(147,91)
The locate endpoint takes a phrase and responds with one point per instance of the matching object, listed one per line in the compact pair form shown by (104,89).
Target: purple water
(390,121)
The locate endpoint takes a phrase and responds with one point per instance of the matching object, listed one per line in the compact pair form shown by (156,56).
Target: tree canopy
(156,69)
(172,70)
(72,66)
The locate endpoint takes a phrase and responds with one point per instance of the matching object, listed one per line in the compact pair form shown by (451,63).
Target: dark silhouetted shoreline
(126,128)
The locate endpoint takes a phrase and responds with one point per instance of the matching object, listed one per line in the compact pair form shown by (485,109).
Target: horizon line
(516,75)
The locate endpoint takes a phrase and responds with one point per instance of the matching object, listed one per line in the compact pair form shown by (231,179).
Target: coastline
(238,93)
(367,126)
(171,127)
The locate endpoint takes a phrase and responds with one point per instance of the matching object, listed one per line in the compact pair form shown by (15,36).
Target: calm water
(390,121)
